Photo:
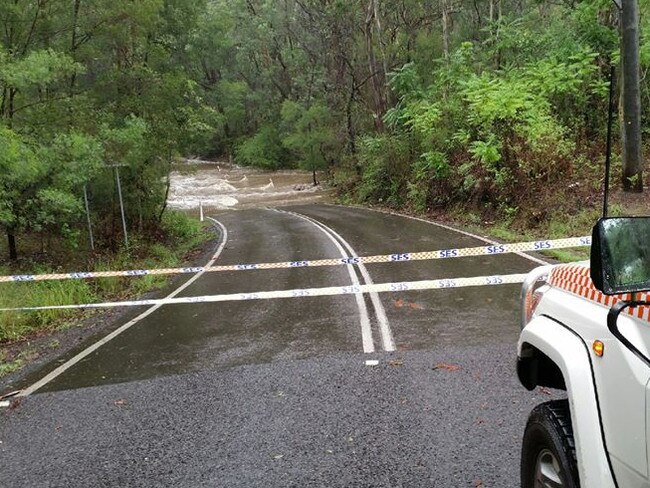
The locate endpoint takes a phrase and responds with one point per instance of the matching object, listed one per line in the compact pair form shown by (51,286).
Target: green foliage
(37,69)
(384,161)
(499,104)
(264,149)
(7,366)
(180,228)
(126,144)
(431,164)
(16,325)
(309,135)
(40,185)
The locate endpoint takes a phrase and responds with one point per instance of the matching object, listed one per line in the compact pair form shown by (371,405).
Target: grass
(18,325)
(9,366)
(182,235)
(559,225)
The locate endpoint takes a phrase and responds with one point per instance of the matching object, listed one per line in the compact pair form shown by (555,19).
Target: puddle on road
(220,185)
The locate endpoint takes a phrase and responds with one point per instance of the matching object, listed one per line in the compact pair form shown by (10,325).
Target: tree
(308,133)
(41,186)
(631,98)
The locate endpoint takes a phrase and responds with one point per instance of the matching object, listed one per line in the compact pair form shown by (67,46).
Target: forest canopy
(422,103)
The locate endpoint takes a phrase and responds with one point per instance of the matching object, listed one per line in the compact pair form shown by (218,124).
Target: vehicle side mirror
(620,255)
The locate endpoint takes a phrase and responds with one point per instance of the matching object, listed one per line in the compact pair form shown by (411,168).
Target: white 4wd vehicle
(574,339)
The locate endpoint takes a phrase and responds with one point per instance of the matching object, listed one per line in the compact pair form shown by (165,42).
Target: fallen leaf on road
(396,362)
(399,303)
(448,367)
(119,403)
(545,390)
(478,484)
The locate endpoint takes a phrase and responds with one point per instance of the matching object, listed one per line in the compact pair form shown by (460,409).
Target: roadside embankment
(557,223)
(28,336)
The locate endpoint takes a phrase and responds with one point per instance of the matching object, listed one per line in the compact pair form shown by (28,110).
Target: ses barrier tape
(385,258)
(299,293)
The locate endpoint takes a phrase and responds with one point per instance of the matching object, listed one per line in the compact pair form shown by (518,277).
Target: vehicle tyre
(548,454)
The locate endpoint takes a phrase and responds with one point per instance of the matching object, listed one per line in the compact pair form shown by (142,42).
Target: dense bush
(491,137)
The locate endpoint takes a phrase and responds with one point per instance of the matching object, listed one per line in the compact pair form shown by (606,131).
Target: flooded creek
(220,185)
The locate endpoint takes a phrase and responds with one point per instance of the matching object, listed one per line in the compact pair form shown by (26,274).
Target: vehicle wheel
(548,454)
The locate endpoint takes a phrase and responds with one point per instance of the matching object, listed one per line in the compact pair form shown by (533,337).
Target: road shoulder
(62,344)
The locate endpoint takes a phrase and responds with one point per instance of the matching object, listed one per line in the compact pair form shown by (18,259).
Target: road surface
(279,392)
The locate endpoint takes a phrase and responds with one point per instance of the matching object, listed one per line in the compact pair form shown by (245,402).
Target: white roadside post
(201,210)
(90,226)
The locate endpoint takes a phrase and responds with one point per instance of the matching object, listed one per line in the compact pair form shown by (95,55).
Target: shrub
(264,149)
(385,164)
(180,226)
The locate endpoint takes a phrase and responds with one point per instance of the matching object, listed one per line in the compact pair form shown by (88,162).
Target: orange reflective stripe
(576,279)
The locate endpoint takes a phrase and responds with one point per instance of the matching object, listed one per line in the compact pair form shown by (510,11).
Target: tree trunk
(377,80)
(348,115)
(313,174)
(73,41)
(445,27)
(11,240)
(140,217)
(164,205)
(631,98)
(380,39)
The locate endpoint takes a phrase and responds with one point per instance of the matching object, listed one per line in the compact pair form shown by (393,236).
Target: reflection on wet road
(196,337)
(423,319)
(192,337)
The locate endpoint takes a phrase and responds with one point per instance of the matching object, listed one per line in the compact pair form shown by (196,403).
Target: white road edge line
(364,318)
(448,227)
(86,352)
(384,327)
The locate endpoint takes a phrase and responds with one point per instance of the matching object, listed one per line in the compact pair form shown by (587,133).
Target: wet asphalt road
(277,393)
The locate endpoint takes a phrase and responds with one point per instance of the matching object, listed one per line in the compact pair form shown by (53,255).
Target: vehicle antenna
(608,154)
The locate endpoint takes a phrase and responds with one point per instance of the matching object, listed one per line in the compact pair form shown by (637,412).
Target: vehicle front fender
(568,352)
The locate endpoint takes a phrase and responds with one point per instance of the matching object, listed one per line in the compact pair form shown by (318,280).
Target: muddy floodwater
(220,185)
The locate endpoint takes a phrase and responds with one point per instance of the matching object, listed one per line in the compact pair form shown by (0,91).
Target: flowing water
(220,185)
